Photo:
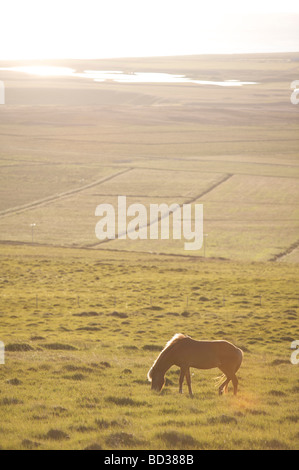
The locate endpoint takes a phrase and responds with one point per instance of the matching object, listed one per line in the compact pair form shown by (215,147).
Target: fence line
(183,302)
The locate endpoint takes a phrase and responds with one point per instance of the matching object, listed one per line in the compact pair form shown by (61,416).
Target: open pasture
(82,329)
(82,322)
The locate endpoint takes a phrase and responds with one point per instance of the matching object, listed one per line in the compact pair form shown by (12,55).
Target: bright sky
(41,29)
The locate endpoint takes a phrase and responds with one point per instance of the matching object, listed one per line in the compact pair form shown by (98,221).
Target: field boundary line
(211,188)
(150,143)
(289,250)
(214,172)
(111,250)
(217,160)
(189,201)
(50,199)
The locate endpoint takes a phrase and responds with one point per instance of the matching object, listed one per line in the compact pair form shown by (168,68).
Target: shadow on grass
(125,401)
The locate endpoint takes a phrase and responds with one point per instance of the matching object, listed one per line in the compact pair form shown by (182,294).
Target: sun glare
(122,28)
(43,71)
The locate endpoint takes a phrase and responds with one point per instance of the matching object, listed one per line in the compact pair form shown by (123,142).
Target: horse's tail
(220,380)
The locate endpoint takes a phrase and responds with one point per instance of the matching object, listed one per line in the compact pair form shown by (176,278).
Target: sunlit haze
(128,28)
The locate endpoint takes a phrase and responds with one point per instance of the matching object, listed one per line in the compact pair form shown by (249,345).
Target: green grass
(82,327)
(78,378)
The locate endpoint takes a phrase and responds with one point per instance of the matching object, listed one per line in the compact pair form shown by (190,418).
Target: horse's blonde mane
(174,340)
(177,337)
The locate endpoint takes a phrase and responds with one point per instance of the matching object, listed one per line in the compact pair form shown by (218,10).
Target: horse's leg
(182,376)
(235,383)
(224,386)
(230,377)
(188,377)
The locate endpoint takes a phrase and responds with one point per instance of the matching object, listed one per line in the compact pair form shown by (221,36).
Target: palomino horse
(185,352)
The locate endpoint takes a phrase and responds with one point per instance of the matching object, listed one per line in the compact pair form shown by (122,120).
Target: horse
(185,352)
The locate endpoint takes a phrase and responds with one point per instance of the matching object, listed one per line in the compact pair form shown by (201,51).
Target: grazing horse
(185,352)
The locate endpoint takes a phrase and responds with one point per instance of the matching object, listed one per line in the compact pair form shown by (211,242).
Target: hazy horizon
(131,28)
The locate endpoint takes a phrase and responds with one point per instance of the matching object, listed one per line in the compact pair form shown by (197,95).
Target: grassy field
(82,322)
(78,353)
(69,144)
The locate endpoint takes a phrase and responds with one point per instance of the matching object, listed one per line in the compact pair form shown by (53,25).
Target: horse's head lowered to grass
(185,352)
(156,374)
(157,379)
